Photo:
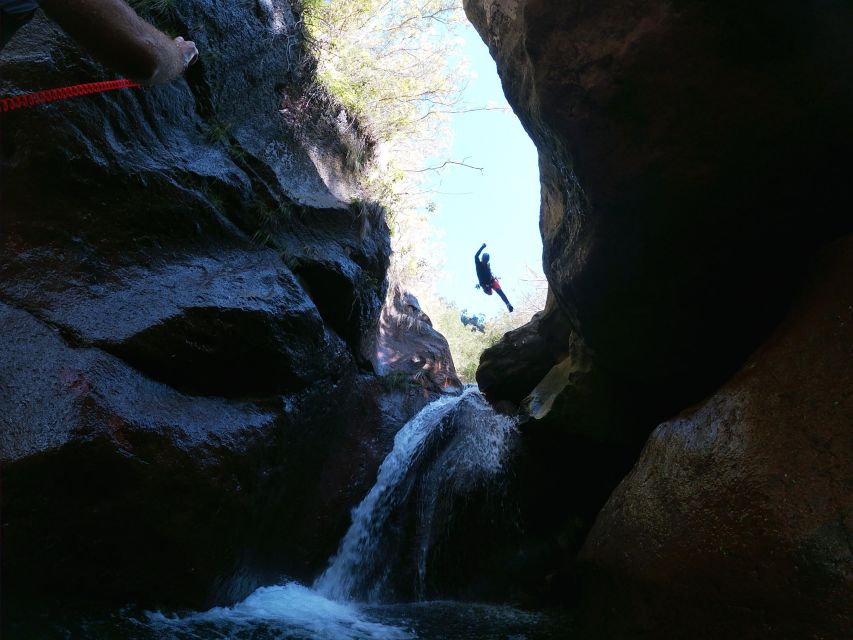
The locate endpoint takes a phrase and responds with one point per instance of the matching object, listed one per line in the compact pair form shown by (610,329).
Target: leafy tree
(391,63)
(397,68)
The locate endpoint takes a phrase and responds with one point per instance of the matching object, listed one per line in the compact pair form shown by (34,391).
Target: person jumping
(488,282)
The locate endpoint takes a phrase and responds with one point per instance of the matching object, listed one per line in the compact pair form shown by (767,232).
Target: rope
(26,100)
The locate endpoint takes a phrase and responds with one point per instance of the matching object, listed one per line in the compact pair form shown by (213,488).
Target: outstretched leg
(503,297)
(497,287)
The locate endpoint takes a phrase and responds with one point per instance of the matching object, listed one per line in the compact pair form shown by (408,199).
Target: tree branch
(443,165)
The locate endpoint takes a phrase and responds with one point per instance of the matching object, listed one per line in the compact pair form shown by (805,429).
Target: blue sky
(500,206)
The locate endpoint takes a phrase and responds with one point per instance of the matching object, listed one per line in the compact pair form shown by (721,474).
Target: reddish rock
(407,345)
(737,521)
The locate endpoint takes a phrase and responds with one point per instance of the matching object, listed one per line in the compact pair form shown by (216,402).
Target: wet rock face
(229,324)
(112,481)
(156,208)
(444,490)
(183,286)
(737,521)
(692,159)
(408,345)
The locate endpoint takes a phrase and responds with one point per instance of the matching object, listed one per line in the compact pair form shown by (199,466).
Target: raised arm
(479,251)
(122,40)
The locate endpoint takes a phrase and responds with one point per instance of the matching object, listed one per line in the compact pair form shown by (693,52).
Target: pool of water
(295,612)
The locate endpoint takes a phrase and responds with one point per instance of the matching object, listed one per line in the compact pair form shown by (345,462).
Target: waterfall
(451,447)
(440,506)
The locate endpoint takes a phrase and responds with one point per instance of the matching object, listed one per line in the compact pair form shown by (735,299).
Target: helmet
(485,257)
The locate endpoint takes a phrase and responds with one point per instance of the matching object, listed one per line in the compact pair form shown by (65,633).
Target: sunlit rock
(407,345)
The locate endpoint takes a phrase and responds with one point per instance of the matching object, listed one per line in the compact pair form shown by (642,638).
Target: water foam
(342,578)
(290,611)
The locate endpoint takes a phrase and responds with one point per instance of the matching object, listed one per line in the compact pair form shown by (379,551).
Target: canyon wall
(186,281)
(693,163)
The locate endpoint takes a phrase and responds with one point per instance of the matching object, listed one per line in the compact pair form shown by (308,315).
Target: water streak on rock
(441,454)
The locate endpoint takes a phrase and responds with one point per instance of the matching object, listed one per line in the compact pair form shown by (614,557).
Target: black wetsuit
(488,282)
(14,14)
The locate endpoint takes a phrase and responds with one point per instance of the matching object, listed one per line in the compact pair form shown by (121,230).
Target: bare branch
(434,112)
(443,165)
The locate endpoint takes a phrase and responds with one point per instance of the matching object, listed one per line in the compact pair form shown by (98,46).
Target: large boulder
(737,521)
(502,375)
(168,211)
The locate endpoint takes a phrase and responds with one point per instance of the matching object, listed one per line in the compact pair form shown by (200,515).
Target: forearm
(119,38)
(479,251)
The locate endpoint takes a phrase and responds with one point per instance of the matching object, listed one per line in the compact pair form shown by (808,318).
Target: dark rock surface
(737,521)
(112,481)
(502,375)
(693,162)
(692,158)
(161,188)
(407,345)
(189,301)
(223,324)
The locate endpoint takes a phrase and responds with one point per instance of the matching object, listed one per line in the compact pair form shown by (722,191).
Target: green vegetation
(397,69)
(389,63)
(467,344)
(268,218)
(397,381)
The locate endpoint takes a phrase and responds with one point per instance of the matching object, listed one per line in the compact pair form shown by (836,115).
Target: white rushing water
(295,612)
(443,455)
(292,609)
(359,545)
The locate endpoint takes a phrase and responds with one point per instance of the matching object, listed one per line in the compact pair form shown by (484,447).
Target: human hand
(187,50)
